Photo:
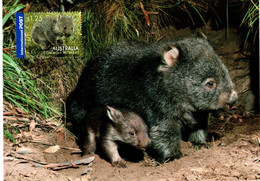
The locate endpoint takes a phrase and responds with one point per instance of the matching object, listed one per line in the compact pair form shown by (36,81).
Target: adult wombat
(50,30)
(171,84)
(120,125)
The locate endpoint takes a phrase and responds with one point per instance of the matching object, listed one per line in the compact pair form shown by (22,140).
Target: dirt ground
(232,154)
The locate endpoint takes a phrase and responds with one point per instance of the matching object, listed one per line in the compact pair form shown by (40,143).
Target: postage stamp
(48,34)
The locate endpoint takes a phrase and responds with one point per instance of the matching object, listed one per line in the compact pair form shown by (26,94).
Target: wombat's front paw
(60,42)
(119,164)
(87,151)
(202,145)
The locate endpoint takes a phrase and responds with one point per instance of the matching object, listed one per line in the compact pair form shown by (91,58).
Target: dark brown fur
(119,125)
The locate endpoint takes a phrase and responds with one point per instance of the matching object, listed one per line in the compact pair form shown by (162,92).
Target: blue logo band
(20,43)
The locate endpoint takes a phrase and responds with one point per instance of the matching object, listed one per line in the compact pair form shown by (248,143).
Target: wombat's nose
(146,144)
(233,98)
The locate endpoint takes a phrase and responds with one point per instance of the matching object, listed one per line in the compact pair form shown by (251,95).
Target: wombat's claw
(199,146)
(119,164)
(206,146)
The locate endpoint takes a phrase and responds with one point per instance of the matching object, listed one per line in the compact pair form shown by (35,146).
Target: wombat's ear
(201,35)
(59,17)
(170,57)
(114,114)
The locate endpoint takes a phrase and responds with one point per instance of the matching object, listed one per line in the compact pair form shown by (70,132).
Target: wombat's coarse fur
(120,125)
(48,32)
(172,85)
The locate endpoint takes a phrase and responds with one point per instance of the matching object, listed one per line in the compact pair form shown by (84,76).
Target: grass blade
(13,11)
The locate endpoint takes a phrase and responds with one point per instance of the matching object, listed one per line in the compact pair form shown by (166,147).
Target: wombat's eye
(64,27)
(211,84)
(132,133)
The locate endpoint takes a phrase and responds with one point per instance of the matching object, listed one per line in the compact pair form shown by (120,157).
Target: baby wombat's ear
(170,56)
(114,114)
(59,17)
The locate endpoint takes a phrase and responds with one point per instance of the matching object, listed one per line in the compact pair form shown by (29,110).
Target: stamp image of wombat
(48,32)
(172,85)
(119,125)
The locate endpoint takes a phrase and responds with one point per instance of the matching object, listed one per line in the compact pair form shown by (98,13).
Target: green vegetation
(9,136)
(251,20)
(20,87)
(108,23)
(12,9)
(192,9)
(197,11)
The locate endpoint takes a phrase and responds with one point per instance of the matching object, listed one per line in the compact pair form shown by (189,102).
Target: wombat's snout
(233,98)
(145,145)
(148,144)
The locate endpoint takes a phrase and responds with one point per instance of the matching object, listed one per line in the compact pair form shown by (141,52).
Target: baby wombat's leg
(45,45)
(89,142)
(110,149)
(60,42)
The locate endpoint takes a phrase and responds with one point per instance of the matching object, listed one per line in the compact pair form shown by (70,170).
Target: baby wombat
(120,125)
(50,30)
